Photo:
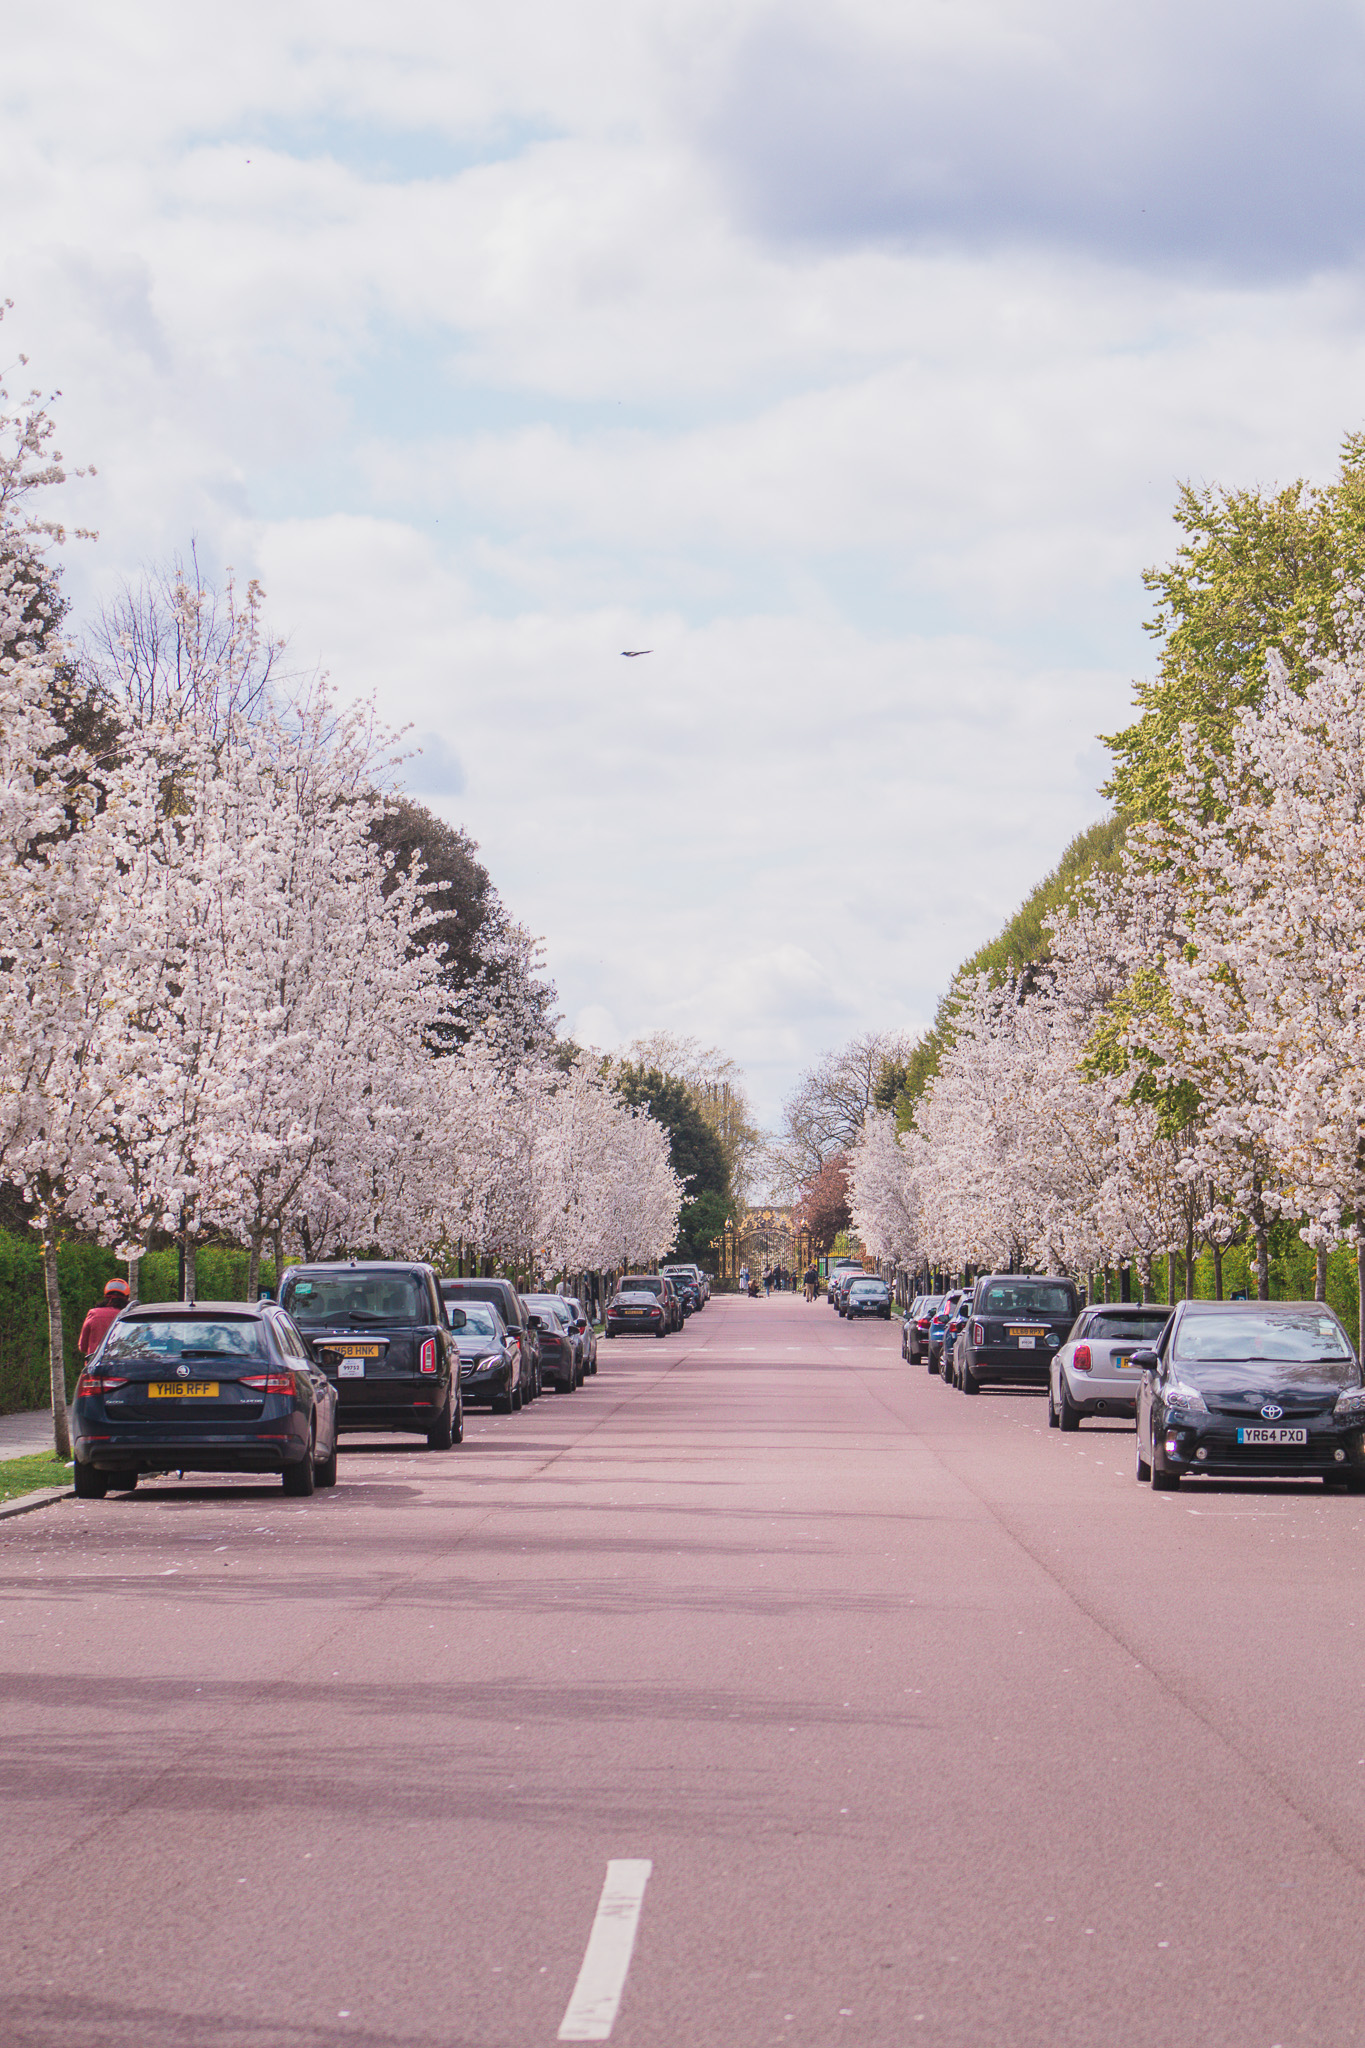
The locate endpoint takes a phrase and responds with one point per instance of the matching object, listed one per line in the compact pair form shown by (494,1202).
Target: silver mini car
(1092,1373)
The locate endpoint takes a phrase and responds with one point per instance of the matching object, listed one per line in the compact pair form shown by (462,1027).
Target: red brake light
(270,1382)
(96,1382)
(1080,1358)
(978,1333)
(429,1355)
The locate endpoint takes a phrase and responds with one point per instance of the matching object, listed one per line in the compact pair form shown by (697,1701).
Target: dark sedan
(560,1350)
(638,1304)
(488,1358)
(384,1338)
(1251,1390)
(210,1386)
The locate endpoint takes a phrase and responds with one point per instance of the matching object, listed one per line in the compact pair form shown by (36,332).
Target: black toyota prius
(1248,1390)
(209,1386)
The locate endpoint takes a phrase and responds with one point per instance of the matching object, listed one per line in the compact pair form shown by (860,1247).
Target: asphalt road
(933,1726)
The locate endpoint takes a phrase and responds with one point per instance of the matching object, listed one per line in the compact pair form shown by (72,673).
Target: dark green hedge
(82,1270)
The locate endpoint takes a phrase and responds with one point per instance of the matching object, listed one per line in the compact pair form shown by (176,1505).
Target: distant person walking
(744,1279)
(767,1280)
(811,1282)
(95,1328)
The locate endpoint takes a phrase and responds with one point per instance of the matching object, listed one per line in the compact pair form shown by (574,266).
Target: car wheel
(502,1404)
(325,1474)
(1068,1416)
(300,1479)
(457,1432)
(661,1331)
(89,1484)
(969,1382)
(1144,1470)
(1164,1482)
(517,1400)
(610,1331)
(1051,1405)
(443,1435)
(932,1364)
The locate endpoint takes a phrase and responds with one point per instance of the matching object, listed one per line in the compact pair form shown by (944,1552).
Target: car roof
(198,1308)
(1199,1308)
(357,1266)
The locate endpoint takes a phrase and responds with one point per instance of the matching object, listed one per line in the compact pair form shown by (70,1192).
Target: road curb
(43,1498)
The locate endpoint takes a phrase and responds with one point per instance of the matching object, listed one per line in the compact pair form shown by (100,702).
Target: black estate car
(209,1386)
(383,1336)
(1251,1390)
(1016,1322)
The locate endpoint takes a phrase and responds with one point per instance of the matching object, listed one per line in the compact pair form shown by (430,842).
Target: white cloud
(477,333)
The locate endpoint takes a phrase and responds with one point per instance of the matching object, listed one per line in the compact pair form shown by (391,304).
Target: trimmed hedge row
(82,1270)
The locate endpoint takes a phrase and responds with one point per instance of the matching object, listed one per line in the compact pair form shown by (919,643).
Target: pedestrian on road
(767,1282)
(811,1279)
(96,1325)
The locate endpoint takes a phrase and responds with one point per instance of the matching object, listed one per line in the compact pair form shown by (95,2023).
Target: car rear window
(1030,1298)
(641,1283)
(226,1337)
(555,1303)
(356,1298)
(1141,1329)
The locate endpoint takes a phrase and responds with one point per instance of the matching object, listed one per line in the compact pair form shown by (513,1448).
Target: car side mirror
(535,1322)
(1145,1361)
(456,1318)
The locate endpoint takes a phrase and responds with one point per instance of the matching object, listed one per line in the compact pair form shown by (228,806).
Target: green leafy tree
(694,1150)
(1256,571)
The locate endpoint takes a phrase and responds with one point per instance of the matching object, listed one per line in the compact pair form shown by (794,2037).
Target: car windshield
(329,1298)
(479,1319)
(1030,1298)
(868,1287)
(225,1337)
(1285,1339)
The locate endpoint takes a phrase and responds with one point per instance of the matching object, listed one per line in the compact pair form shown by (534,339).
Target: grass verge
(26,1475)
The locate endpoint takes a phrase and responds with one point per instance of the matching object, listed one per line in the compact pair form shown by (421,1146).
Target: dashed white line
(592,2009)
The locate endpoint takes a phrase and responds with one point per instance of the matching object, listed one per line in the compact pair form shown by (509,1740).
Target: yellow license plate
(183,1390)
(1029,1330)
(355,1350)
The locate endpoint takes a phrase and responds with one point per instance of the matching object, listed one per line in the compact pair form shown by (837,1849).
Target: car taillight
(95,1383)
(923,1323)
(429,1355)
(269,1382)
(1080,1358)
(978,1333)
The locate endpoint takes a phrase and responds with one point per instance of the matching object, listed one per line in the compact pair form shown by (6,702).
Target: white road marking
(592,2009)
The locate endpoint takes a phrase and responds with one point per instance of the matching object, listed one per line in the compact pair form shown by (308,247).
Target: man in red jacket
(96,1325)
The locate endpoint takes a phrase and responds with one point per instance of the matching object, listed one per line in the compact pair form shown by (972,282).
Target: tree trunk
(56,1349)
(1218,1272)
(279,1260)
(1262,1264)
(253,1267)
(1360,1299)
(1125,1282)
(191,1288)
(1189,1261)
(1320,1274)
(134,1273)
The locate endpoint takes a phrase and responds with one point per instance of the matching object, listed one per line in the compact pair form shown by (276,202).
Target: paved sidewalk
(21,1436)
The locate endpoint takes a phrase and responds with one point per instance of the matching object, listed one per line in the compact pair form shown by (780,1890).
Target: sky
(845,356)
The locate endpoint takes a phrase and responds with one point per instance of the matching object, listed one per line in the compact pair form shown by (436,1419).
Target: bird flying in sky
(634,653)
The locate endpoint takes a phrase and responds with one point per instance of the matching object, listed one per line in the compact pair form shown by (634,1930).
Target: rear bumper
(998,1366)
(398,1404)
(207,1451)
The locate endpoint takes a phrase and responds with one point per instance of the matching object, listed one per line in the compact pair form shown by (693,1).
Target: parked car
(842,1265)
(509,1305)
(1251,1390)
(558,1345)
(868,1296)
(209,1386)
(952,1339)
(938,1324)
(1017,1321)
(586,1332)
(561,1342)
(843,1282)
(1093,1372)
(490,1363)
(915,1329)
(691,1277)
(383,1335)
(638,1304)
